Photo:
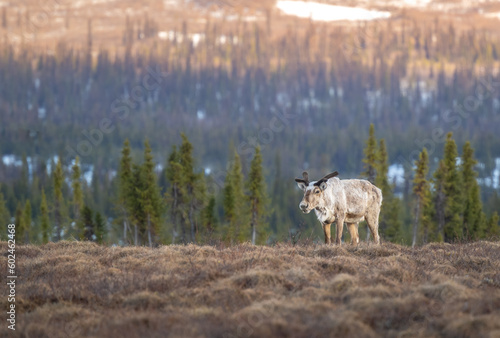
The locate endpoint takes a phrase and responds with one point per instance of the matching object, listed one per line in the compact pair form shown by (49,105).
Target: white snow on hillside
(323,12)
(493,15)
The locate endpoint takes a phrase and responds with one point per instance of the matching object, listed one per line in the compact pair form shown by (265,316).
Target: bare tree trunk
(367,234)
(149,231)
(124,232)
(27,234)
(440,211)
(174,215)
(174,232)
(135,234)
(254,221)
(193,233)
(58,219)
(183,226)
(415,223)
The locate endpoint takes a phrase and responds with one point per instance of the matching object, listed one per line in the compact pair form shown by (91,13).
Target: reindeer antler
(305,178)
(326,178)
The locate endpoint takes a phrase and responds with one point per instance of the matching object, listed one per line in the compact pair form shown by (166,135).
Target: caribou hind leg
(372,222)
(353,230)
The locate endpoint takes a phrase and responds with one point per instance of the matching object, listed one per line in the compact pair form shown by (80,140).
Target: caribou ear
(323,186)
(300,182)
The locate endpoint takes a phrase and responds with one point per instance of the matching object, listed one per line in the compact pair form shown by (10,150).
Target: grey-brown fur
(349,201)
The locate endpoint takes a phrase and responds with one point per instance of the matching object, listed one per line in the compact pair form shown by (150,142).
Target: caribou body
(335,200)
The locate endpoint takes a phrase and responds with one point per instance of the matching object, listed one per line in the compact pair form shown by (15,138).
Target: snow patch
(11,160)
(195,38)
(42,113)
(323,12)
(396,174)
(200,114)
(493,15)
(496,174)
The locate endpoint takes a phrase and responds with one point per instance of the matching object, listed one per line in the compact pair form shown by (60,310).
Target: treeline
(444,207)
(179,206)
(182,205)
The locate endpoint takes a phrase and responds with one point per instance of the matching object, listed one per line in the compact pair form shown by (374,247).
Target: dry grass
(73,289)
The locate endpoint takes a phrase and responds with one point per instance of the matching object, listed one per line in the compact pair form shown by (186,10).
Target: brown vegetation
(72,289)
(46,24)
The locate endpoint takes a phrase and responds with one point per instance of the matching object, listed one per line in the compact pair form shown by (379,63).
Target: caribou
(335,200)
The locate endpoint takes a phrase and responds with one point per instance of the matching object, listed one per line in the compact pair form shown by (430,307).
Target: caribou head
(313,191)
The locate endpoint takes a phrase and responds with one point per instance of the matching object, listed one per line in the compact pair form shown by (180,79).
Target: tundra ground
(75,289)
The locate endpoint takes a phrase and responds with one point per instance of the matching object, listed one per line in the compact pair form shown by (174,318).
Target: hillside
(73,289)
(45,25)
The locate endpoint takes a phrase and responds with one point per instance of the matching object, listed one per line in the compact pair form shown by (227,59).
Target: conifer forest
(176,124)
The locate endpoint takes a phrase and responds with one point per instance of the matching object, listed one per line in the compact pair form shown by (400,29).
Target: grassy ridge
(72,289)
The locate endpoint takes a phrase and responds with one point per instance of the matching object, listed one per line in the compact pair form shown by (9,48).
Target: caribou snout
(304,207)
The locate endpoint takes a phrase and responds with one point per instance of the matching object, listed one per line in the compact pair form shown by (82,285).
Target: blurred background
(302,80)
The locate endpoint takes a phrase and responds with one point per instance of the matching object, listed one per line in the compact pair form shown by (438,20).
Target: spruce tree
(88,224)
(421,190)
(76,186)
(280,222)
(4,216)
(125,188)
(392,217)
(137,207)
(27,222)
(493,228)
(370,160)
(19,222)
(36,197)
(382,169)
(44,219)
(58,177)
(193,183)
(452,191)
(100,228)
(473,222)
(209,217)
(21,186)
(257,197)
(233,201)
(175,194)
(390,225)
(439,200)
(151,198)
(475,227)
(187,179)
(428,230)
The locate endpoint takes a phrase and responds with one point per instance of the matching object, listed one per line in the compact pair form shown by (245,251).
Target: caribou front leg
(340,229)
(327,230)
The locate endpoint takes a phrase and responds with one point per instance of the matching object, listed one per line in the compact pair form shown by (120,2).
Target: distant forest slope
(304,90)
(70,289)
